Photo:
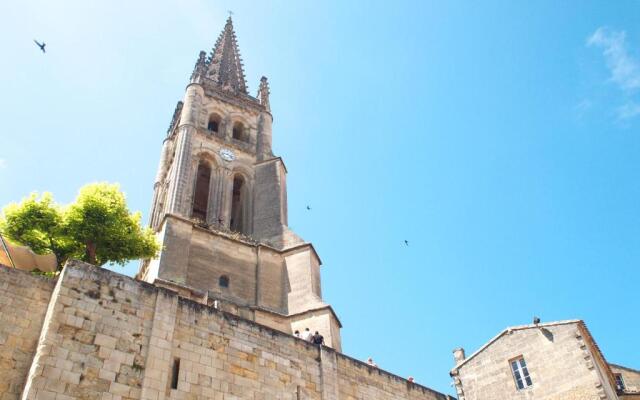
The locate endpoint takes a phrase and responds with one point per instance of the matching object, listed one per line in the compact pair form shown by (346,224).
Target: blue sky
(501,139)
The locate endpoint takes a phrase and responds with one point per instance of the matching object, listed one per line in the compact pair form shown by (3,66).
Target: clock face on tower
(227,154)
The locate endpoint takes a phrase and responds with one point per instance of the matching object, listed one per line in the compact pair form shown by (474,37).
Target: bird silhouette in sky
(406,243)
(308,208)
(41,45)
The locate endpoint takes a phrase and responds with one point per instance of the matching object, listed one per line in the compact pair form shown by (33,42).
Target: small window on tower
(214,123)
(239,132)
(223,281)
(175,373)
(619,383)
(520,373)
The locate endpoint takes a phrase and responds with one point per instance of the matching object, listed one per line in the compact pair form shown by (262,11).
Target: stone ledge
(42,278)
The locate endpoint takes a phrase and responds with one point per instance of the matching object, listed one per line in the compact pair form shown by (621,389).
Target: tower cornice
(273,159)
(240,100)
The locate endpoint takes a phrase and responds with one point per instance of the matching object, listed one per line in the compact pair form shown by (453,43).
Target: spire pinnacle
(200,68)
(225,63)
(263,93)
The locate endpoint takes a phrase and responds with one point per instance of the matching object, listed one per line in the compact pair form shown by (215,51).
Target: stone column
(269,196)
(163,166)
(264,139)
(179,181)
(225,194)
(212,206)
(219,206)
(328,374)
(228,129)
(248,209)
(159,358)
(47,344)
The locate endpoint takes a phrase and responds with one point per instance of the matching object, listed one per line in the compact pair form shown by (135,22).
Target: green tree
(100,222)
(97,228)
(37,222)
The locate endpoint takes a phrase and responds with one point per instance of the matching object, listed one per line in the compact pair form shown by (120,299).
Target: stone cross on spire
(225,64)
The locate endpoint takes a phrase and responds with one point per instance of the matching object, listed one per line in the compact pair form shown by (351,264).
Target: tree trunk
(90,253)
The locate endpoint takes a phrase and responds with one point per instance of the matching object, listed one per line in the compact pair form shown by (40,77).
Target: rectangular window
(175,372)
(619,382)
(521,373)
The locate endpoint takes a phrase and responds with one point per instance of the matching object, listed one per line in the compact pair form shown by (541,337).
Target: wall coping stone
(48,279)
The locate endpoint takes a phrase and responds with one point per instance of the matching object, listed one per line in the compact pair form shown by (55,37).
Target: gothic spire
(225,64)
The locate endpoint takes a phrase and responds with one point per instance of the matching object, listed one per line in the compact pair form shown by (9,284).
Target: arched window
(201,194)
(214,123)
(223,282)
(240,132)
(237,204)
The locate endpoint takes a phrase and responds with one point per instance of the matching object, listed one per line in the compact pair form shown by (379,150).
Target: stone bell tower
(220,205)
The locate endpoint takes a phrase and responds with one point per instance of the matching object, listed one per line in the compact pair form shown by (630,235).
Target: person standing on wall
(317,339)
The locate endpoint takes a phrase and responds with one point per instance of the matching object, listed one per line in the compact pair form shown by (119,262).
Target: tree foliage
(97,228)
(100,221)
(37,222)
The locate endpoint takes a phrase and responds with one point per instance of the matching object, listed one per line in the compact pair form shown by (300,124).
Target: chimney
(458,355)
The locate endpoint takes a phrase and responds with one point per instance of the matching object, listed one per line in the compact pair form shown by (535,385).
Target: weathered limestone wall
(197,258)
(95,337)
(561,366)
(268,286)
(358,380)
(212,256)
(303,274)
(269,201)
(23,303)
(107,336)
(222,354)
(273,281)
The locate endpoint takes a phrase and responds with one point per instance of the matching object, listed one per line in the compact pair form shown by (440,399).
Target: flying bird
(406,243)
(41,45)
(308,208)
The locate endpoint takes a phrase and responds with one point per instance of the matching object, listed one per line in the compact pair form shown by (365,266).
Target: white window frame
(519,365)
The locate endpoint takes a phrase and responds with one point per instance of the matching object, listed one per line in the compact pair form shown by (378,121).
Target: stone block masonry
(561,360)
(96,334)
(23,303)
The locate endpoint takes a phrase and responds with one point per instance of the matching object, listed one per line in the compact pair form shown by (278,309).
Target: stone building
(212,316)
(542,361)
(220,206)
